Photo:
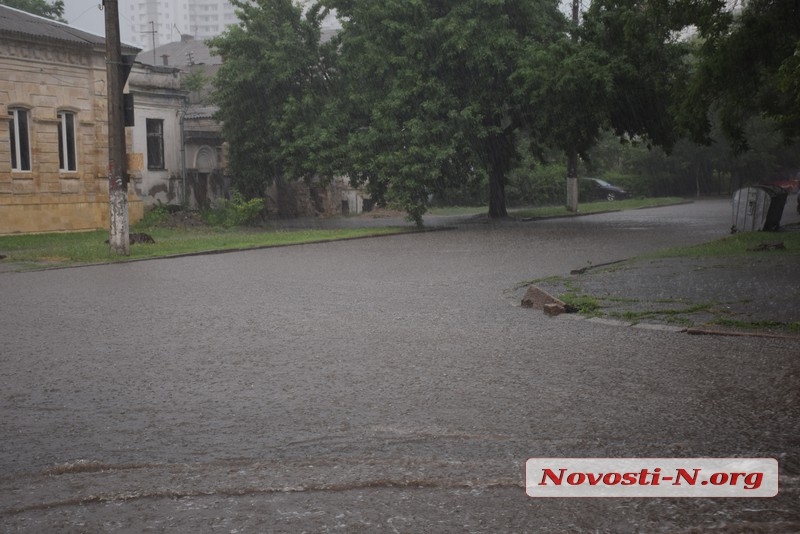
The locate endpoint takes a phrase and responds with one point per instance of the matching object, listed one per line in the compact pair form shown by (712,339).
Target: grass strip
(561,211)
(741,244)
(595,207)
(62,249)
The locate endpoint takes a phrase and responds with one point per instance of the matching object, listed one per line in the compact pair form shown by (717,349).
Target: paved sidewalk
(754,294)
(744,294)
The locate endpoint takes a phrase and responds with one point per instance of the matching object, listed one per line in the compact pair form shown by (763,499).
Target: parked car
(596,189)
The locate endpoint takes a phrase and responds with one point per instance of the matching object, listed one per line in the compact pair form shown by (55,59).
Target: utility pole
(117,165)
(572,154)
(153,35)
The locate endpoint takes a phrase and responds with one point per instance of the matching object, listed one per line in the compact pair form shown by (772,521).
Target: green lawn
(744,243)
(558,211)
(60,249)
(594,207)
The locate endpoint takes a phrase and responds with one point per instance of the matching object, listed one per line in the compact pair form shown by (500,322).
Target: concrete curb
(739,333)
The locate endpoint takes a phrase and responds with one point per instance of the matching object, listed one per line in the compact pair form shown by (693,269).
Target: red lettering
(719,479)
(643,477)
(576,479)
(548,473)
(594,478)
(684,474)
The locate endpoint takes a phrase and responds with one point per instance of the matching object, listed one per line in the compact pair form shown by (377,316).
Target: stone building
(155,164)
(54,145)
(170,86)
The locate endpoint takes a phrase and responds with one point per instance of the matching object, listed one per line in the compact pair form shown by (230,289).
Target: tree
(569,85)
(748,64)
(270,92)
(647,61)
(54,11)
(428,89)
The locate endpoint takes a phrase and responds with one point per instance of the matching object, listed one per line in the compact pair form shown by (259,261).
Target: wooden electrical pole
(572,154)
(117,165)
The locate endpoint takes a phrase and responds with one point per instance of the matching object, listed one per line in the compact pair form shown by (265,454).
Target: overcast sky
(85,15)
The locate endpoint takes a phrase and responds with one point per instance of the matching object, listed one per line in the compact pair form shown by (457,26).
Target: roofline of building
(79,37)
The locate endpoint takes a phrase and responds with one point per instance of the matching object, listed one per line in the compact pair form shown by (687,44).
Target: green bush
(234,212)
(539,185)
(155,216)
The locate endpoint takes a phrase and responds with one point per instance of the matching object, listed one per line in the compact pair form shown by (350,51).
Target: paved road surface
(378,385)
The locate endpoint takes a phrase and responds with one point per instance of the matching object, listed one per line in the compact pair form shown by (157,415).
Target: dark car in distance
(597,189)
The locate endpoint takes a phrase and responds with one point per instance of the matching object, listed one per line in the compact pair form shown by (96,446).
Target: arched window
(204,162)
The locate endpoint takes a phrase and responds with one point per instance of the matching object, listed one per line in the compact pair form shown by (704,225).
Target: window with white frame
(155,144)
(20,139)
(67,158)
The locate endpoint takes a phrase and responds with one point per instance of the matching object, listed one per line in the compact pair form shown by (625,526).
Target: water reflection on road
(374,385)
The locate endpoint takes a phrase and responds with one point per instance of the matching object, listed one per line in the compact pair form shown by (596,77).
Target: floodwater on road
(377,385)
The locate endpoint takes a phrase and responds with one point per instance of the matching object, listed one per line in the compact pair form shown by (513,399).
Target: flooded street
(379,385)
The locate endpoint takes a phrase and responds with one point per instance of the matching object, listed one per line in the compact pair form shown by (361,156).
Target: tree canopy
(54,11)
(414,97)
(748,64)
(429,91)
(270,90)
(648,58)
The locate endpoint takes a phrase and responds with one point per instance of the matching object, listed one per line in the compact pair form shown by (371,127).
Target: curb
(699,331)
(692,331)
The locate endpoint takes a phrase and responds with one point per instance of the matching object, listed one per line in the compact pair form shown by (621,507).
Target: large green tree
(622,69)
(54,11)
(646,55)
(748,64)
(428,89)
(270,92)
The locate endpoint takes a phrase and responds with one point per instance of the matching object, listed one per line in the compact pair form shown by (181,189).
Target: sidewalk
(758,293)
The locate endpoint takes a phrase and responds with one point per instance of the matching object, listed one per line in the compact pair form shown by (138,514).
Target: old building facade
(155,163)
(54,144)
(177,143)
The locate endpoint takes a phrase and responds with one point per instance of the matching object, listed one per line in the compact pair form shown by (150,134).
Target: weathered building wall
(205,157)
(157,96)
(44,78)
(289,200)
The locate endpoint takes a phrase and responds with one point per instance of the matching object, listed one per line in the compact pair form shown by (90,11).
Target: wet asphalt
(378,385)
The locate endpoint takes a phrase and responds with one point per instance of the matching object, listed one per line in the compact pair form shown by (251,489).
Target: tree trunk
(572,181)
(499,162)
(497,195)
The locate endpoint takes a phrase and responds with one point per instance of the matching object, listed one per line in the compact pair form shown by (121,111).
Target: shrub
(537,185)
(155,216)
(234,212)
